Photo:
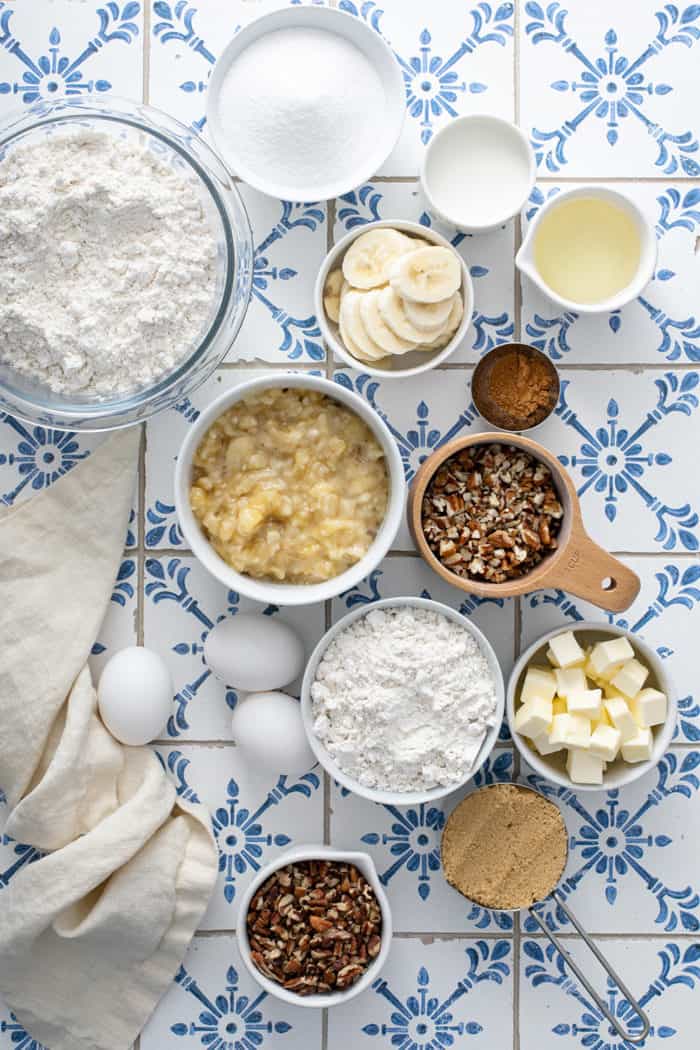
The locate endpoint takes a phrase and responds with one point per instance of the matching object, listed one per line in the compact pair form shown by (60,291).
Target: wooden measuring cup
(578,565)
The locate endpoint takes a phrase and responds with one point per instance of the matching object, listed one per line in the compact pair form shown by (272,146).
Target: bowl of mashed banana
(289,489)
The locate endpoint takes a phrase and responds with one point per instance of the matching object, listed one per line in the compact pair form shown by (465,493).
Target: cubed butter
(544,746)
(570,680)
(605,742)
(551,657)
(584,768)
(610,692)
(588,702)
(566,650)
(570,731)
(538,682)
(534,718)
(639,747)
(604,719)
(607,657)
(621,717)
(630,678)
(649,707)
(559,705)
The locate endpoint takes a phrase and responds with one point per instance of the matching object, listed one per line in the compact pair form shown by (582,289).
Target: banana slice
(379,332)
(426,275)
(354,332)
(453,322)
(367,260)
(331,294)
(394,313)
(428,316)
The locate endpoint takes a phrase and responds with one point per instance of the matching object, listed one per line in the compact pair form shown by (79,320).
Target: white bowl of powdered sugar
(306,102)
(402,700)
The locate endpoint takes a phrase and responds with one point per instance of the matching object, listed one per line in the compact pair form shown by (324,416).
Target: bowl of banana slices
(394,299)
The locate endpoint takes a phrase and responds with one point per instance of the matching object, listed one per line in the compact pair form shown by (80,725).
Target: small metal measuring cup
(631,1037)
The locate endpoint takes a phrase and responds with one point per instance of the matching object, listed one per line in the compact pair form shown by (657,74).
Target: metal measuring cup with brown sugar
(505,847)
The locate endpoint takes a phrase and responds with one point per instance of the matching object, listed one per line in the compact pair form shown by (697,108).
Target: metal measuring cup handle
(631,1037)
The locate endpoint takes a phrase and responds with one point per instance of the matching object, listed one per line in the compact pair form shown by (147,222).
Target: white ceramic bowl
(363,863)
(380,56)
(619,773)
(396,798)
(416,361)
(515,159)
(525,262)
(289,593)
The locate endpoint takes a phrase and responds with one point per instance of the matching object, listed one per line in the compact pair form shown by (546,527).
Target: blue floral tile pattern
(662,325)
(75,50)
(662,975)
(431,996)
(607,98)
(215,1004)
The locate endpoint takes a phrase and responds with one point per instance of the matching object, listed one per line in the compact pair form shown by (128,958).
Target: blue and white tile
(404,843)
(632,864)
(422,412)
(433,994)
(396,576)
(609,90)
(118,628)
(75,49)
(182,602)
(451,63)
(489,258)
(662,974)
(255,816)
(662,325)
(34,457)
(290,245)
(164,436)
(627,440)
(214,1002)
(666,614)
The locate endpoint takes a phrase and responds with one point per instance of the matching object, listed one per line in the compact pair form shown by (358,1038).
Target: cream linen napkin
(91,934)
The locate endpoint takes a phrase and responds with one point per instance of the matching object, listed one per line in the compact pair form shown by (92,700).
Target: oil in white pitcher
(587,249)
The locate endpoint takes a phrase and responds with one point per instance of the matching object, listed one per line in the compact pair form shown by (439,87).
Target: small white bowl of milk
(589,249)
(477,173)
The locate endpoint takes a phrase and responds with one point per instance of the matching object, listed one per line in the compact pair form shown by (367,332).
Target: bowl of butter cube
(591,707)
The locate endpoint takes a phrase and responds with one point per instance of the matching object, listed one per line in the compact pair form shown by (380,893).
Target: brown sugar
(516,388)
(504,847)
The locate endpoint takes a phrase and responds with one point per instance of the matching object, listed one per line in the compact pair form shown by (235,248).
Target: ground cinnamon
(516,388)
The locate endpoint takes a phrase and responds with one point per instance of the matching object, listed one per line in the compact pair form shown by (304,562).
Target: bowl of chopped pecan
(314,926)
(498,516)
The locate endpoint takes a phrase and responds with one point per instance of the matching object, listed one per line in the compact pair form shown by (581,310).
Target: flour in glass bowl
(402,700)
(107,264)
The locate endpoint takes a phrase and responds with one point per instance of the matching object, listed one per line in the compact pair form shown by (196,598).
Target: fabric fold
(92,933)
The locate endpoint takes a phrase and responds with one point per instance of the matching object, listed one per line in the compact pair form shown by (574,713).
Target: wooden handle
(589,572)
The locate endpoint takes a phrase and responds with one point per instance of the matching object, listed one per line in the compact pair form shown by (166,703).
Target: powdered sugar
(107,264)
(403,698)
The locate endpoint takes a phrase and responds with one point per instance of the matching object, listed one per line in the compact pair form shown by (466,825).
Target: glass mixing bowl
(182,149)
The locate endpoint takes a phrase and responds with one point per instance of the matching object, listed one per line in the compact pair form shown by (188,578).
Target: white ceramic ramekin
(378,54)
(619,773)
(525,262)
(364,863)
(395,798)
(289,593)
(516,156)
(402,365)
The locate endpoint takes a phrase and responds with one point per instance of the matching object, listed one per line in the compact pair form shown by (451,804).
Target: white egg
(269,732)
(253,652)
(135,695)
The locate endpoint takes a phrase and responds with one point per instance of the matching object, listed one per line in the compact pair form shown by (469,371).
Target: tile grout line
(635,367)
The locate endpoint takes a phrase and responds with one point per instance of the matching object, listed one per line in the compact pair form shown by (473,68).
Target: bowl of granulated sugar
(306,103)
